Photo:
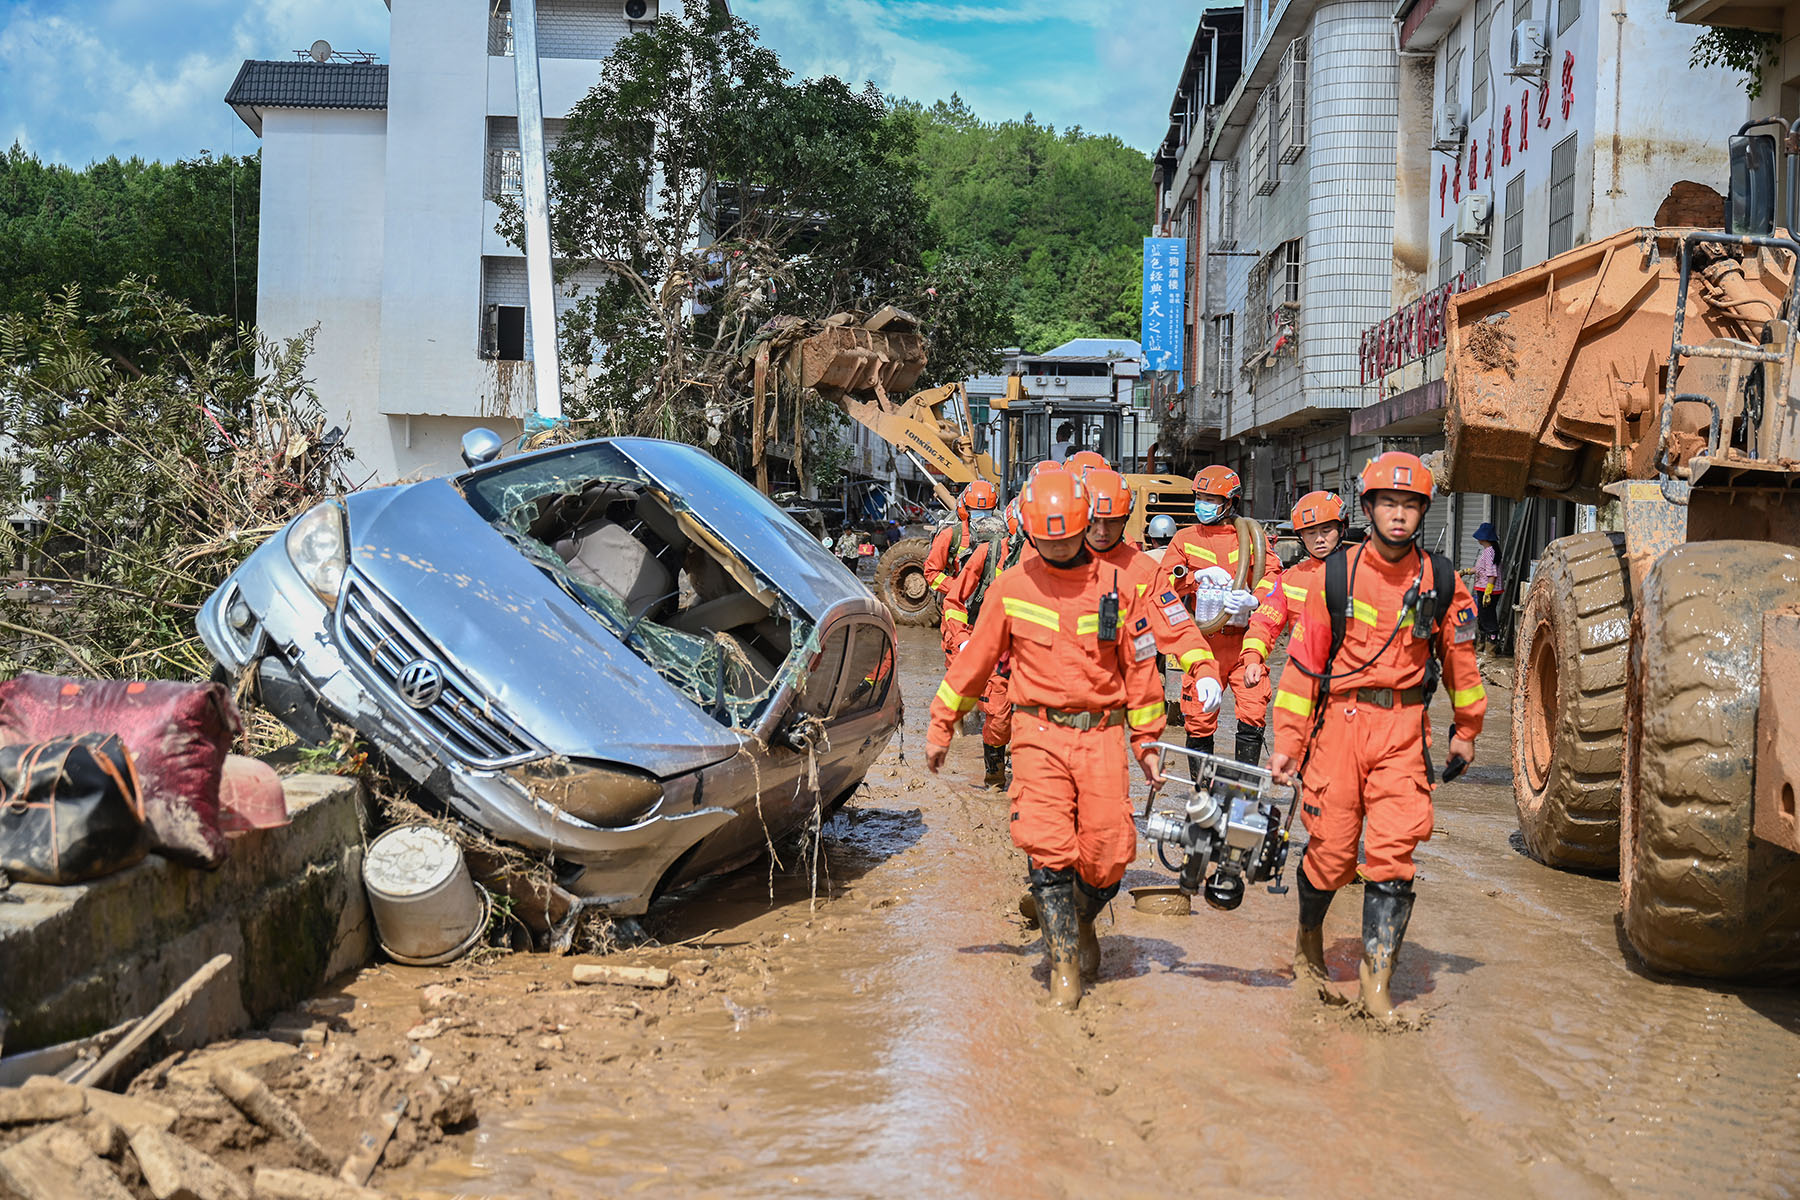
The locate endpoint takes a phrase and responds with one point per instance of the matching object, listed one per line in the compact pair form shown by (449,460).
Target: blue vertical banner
(1165,275)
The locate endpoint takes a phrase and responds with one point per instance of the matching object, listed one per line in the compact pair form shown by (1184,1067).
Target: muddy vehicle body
(616,653)
(1655,715)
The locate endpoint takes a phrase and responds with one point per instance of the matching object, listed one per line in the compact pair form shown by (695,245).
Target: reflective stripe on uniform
(1146,714)
(1232,557)
(1200,552)
(1298,705)
(937,581)
(1188,660)
(1294,592)
(1365,612)
(956,614)
(1467,696)
(1258,645)
(1037,614)
(953,700)
(1088,624)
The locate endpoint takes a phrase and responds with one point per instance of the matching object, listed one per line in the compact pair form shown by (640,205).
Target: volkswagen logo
(421,682)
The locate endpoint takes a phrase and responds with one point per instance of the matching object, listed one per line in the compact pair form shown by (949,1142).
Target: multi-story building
(380,191)
(1526,128)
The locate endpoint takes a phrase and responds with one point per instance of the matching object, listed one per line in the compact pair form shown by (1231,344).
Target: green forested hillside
(1068,211)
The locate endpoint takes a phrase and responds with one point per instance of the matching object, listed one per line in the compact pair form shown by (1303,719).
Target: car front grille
(461,720)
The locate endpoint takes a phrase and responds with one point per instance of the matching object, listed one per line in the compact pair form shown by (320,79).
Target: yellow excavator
(860,364)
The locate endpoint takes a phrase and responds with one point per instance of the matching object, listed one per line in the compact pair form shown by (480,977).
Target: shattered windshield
(658,579)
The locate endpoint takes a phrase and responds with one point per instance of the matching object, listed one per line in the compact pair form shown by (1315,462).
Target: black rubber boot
(1249,744)
(1309,941)
(1089,901)
(1054,892)
(1202,744)
(1387,907)
(994,759)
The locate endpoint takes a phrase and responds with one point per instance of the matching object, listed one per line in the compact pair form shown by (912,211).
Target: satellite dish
(321,51)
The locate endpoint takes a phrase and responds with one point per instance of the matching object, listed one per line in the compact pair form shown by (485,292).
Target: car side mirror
(481,446)
(1750,206)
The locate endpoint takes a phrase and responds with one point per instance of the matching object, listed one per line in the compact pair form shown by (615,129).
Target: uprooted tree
(714,192)
(148,453)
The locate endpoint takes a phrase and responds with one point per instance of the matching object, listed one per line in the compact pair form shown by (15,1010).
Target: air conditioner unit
(1042,380)
(640,10)
(1448,129)
(1530,50)
(1061,382)
(1472,216)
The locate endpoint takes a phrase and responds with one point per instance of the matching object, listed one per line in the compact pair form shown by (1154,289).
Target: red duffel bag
(178,735)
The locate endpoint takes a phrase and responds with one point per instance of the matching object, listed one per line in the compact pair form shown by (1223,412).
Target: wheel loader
(1656,709)
(858,364)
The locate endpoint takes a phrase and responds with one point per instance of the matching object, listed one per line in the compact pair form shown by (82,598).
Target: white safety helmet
(1161,528)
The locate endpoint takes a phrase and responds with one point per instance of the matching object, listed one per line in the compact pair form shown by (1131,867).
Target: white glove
(1209,693)
(1240,603)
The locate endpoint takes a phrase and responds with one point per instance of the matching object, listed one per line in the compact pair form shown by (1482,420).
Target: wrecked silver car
(616,653)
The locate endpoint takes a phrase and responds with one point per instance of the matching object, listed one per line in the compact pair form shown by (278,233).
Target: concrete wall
(322,188)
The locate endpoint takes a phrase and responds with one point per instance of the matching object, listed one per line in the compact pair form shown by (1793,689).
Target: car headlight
(607,796)
(317,546)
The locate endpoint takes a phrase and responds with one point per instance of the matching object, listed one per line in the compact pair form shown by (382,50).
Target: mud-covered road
(891,1039)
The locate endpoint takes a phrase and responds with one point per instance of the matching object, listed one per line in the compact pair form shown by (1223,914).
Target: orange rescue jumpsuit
(1197,547)
(1070,806)
(940,566)
(1176,634)
(1368,763)
(1282,608)
(996,707)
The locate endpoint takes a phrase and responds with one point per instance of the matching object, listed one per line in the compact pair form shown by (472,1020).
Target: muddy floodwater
(889,1037)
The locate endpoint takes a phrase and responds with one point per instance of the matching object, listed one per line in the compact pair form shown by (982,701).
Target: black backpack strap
(1434,606)
(1338,604)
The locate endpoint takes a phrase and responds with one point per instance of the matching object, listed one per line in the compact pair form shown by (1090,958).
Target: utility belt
(1084,719)
(1385,697)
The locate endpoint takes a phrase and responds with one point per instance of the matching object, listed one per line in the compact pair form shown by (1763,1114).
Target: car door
(864,714)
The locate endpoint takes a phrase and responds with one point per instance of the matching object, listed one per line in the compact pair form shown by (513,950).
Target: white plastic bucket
(428,911)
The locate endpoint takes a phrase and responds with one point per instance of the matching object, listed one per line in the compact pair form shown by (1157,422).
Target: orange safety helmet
(1045,468)
(1054,505)
(1397,471)
(1318,508)
(982,495)
(1221,483)
(1107,494)
(1083,461)
(1012,518)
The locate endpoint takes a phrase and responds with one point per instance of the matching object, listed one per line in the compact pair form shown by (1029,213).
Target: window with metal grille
(1264,146)
(1478,79)
(1228,206)
(506,173)
(1521,11)
(1566,12)
(1225,363)
(1446,255)
(1291,118)
(1453,56)
(1562,195)
(1289,280)
(1512,226)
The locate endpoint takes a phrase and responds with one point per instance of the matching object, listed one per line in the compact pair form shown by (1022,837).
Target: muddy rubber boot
(1387,907)
(1089,901)
(1309,941)
(1249,744)
(1054,892)
(994,759)
(1202,744)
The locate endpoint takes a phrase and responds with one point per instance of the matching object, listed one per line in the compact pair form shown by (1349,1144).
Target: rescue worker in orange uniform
(1083,677)
(1177,636)
(1359,742)
(1213,542)
(949,547)
(1078,463)
(1318,521)
(994,551)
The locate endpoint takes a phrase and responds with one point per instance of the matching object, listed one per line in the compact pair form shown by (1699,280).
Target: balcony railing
(506,173)
(500,40)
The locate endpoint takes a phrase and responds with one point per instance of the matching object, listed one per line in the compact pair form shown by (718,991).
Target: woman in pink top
(1487,585)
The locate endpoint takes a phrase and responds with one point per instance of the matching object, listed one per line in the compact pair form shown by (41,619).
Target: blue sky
(82,79)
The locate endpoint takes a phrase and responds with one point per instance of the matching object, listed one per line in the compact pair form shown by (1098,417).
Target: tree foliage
(1067,211)
(716,192)
(149,457)
(189,225)
(1745,50)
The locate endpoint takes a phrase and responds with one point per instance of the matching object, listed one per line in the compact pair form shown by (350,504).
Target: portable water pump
(1231,824)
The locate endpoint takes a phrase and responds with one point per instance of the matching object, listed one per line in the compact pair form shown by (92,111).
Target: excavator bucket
(882,355)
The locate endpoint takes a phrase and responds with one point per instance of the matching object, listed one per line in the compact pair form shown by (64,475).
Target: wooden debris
(174,1170)
(101,1072)
(643,977)
(361,1163)
(253,1098)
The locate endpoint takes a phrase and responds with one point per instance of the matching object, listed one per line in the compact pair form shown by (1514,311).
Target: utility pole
(540,291)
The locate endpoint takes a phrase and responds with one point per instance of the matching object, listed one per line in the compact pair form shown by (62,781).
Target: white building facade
(380,190)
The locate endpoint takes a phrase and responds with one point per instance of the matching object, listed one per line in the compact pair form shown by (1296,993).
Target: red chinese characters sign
(1410,333)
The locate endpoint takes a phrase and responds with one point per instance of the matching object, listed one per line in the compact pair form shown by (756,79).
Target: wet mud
(889,1035)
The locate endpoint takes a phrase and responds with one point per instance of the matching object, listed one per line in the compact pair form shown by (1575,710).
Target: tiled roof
(303,84)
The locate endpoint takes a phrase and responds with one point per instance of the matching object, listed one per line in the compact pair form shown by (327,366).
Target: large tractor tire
(1568,712)
(1704,896)
(900,582)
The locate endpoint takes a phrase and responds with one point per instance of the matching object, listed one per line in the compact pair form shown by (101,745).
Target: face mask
(1208,512)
